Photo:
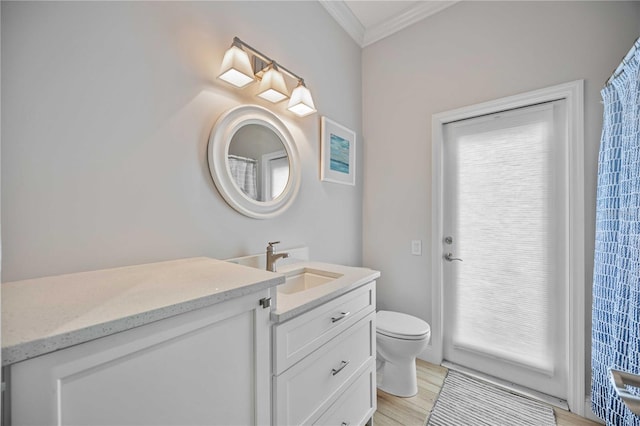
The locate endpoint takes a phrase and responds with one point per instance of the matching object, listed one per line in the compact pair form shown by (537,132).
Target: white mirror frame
(222,133)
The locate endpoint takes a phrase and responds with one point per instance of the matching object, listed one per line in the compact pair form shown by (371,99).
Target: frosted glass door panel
(504,214)
(505,283)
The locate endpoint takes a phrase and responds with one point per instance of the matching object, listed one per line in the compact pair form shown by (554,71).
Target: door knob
(449,257)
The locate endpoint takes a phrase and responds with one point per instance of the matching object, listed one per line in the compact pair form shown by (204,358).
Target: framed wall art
(337,153)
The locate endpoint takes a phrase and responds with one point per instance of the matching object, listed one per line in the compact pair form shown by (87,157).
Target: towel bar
(620,381)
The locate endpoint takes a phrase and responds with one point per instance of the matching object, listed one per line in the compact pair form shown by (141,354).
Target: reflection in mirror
(258,162)
(254,161)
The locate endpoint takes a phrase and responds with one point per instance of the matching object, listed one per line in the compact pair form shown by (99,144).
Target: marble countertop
(47,314)
(290,305)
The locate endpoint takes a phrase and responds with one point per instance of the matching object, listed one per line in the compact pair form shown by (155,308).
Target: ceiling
(368,21)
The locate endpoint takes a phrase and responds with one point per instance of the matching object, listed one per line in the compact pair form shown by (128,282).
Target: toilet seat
(401,326)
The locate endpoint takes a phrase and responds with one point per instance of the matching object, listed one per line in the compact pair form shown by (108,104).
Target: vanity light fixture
(237,70)
(272,86)
(301,102)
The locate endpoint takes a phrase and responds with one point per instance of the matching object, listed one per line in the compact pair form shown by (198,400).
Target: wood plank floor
(395,411)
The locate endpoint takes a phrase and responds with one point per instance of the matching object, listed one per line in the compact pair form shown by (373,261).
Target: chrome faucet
(272,257)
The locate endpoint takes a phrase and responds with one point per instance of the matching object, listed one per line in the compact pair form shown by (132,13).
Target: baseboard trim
(588,412)
(429,354)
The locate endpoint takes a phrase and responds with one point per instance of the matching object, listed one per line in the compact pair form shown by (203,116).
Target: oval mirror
(254,162)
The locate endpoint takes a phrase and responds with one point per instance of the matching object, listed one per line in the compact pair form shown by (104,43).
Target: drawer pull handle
(344,424)
(343,315)
(335,371)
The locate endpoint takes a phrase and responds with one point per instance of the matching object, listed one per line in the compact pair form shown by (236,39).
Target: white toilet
(399,339)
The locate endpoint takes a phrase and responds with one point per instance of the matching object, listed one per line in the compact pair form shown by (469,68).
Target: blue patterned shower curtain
(616,280)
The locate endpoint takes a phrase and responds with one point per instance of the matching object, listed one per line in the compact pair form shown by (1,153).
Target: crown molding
(339,10)
(415,13)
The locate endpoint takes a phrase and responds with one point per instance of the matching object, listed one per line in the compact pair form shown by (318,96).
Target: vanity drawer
(310,386)
(298,337)
(356,405)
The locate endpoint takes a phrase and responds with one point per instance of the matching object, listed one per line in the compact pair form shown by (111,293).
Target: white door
(505,229)
(275,174)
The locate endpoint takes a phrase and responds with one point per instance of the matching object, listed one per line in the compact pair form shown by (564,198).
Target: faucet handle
(273,243)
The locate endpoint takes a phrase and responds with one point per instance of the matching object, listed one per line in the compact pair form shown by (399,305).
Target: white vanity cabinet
(324,363)
(184,342)
(208,366)
(189,342)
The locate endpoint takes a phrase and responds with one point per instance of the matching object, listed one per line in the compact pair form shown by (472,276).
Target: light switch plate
(416,247)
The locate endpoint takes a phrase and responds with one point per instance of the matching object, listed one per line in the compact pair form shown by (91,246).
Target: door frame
(573,94)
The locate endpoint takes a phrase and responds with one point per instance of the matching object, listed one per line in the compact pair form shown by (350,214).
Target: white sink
(305,279)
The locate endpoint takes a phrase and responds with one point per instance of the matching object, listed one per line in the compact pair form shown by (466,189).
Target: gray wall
(106,114)
(470,53)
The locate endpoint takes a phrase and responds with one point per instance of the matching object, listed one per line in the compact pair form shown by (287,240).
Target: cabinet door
(205,367)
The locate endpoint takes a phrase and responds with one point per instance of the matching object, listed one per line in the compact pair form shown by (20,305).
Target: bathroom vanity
(324,345)
(181,342)
(191,341)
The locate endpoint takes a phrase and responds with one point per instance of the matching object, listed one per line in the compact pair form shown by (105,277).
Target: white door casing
(572,93)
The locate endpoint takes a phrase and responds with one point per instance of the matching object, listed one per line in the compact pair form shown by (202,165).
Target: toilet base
(398,379)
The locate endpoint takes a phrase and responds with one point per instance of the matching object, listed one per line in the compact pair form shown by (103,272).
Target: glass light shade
(272,87)
(236,68)
(301,102)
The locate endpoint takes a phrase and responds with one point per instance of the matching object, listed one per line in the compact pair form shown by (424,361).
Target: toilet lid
(401,325)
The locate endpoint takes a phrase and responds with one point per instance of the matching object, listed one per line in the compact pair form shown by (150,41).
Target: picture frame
(337,153)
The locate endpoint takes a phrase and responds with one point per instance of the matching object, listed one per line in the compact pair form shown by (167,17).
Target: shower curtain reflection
(243,171)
